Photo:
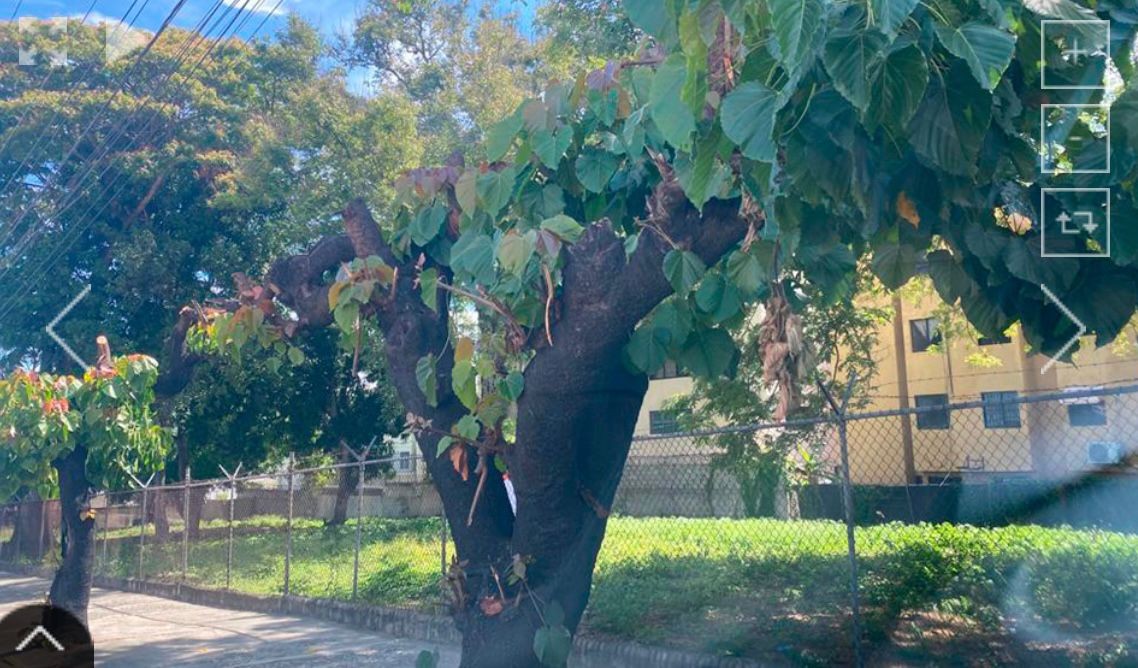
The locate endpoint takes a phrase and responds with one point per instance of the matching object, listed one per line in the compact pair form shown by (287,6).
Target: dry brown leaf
(458,460)
(907,210)
(463,349)
(1019,223)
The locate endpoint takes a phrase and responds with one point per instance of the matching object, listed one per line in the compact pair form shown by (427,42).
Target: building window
(932,419)
(1001,410)
(669,370)
(994,340)
(1087,414)
(925,333)
(663,422)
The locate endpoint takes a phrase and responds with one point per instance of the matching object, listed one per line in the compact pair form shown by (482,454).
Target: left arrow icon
(36,633)
(50,329)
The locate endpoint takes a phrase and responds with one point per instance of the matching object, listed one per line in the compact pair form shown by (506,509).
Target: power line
(106,105)
(73,192)
(75,233)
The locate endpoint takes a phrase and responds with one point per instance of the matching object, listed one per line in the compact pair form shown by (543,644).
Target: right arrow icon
(1067,312)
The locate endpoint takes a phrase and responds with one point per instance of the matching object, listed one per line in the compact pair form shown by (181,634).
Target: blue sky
(330,16)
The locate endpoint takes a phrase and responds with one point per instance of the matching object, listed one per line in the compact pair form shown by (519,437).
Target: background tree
(841,336)
(79,434)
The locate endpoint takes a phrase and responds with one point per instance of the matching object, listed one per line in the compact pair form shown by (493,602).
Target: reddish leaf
(458,459)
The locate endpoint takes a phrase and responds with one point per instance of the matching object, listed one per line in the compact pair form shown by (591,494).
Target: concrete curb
(587,652)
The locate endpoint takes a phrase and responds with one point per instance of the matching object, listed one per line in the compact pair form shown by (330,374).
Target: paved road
(145,631)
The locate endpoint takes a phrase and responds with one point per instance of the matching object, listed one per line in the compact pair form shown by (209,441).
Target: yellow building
(916,368)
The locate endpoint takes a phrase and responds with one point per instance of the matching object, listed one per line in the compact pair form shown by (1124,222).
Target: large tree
(627,218)
(75,435)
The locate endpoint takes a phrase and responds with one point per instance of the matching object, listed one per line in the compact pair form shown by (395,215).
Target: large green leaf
(595,168)
(850,55)
(428,223)
(898,85)
(427,378)
(564,227)
(894,264)
(653,17)
(986,49)
(494,189)
(515,251)
(889,15)
(683,270)
(473,256)
(948,127)
(501,135)
(797,24)
(708,353)
(673,118)
(748,117)
(550,146)
(747,272)
(645,351)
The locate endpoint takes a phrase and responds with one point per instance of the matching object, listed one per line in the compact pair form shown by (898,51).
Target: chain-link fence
(1001,530)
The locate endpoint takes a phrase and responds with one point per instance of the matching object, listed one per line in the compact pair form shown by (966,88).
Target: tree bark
(346,480)
(71,587)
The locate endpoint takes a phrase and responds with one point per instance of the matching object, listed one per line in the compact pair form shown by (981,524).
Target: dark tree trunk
(71,588)
(346,480)
(197,504)
(28,537)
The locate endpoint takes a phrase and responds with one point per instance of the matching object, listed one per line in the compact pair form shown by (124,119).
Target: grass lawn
(760,588)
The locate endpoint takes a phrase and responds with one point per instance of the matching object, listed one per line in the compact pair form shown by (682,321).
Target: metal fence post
(43,530)
(288,525)
(106,528)
(361,457)
(848,508)
(142,535)
(186,524)
(19,534)
(232,502)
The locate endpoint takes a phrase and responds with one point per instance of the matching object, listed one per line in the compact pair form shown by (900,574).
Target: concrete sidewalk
(146,631)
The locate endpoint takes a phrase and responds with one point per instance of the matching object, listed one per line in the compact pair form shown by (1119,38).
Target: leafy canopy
(900,132)
(107,411)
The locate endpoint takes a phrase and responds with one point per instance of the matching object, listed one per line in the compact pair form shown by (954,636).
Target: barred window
(663,422)
(925,333)
(1087,414)
(932,419)
(1001,410)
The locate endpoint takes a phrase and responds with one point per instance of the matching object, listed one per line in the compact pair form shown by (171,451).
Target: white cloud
(260,6)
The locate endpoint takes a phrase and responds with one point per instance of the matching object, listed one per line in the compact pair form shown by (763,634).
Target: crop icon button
(1075,222)
(1074,54)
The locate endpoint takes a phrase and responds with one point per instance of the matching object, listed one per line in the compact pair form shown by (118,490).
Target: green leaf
(296,356)
(987,50)
(346,316)
(473,256)
(654,17)
(495,188)
(708,353)
(466,191)
(515,251)
(512,385)
(894,264)
(428,223)
(428,287)
(949,279)
(462,382)
(747,272)
(501,135)
(427,378)
(564,227)
(683,270)
(748,117)
(948,130)
(796,25)
(849,56)
(427,659)
(550,146)
(467,427)
(552,645)
(899,84)
(890,15)
(646,353)
(444,444)
(673,118)
(595,168)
